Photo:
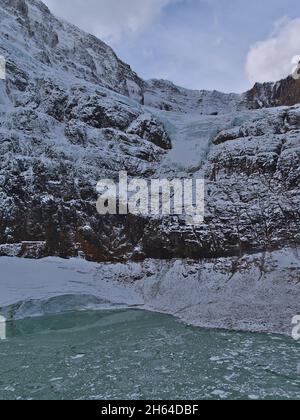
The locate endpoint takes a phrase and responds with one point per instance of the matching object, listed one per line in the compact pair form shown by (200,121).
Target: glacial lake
(131,354)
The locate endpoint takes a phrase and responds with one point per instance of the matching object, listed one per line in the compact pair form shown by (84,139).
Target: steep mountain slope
(72,113)
(166,96)
(33,40)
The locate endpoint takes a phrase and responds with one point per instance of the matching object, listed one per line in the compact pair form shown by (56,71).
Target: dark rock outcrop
(285,92)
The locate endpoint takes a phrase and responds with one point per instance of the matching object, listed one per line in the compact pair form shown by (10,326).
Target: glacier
(258,293)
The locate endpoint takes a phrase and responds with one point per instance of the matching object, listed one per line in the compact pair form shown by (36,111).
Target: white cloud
(110,20)
(271,60)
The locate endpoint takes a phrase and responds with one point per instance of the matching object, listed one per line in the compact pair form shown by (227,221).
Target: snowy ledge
(259,293)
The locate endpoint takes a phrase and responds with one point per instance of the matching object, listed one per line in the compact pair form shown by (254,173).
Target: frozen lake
(132,354)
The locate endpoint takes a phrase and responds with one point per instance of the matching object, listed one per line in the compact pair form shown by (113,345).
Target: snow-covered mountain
(72,113)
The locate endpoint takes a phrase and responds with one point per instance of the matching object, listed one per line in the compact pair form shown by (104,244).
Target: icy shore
(258,293)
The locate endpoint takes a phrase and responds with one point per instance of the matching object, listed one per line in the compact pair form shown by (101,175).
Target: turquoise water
(140,355)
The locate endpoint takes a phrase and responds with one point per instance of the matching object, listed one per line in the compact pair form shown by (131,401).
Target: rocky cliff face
(34,41)
(284,92)
(72,113)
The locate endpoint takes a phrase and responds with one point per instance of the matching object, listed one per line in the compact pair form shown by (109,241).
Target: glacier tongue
(52,285)
(206,293)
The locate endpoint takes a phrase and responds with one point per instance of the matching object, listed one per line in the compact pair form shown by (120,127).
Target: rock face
(284,92)
(44,42)
(72,113)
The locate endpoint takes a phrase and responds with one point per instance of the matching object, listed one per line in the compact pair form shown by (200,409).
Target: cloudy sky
(202,44)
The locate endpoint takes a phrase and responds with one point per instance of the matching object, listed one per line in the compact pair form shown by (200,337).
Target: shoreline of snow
(258,293)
